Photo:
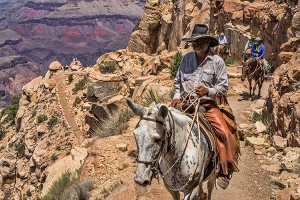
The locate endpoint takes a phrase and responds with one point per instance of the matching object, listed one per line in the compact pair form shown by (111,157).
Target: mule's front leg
(175,194)
(192,194)
(250,87)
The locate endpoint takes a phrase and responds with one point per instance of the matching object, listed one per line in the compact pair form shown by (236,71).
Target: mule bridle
(167,134)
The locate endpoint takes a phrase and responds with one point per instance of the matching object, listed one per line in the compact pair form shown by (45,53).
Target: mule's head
(149,135)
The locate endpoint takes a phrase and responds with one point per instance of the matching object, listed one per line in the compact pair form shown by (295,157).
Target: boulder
(260,127)
(279,142)
(32,87)
(76,67)
(255,142)
(69,163)
(87,106)
(55,65)
(291,161)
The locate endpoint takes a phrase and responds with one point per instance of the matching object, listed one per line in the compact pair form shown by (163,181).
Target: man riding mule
(203,74)
(246,54)
(254,67)
(222,49)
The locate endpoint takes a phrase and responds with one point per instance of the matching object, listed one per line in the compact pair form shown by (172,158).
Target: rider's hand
(201,91)
(175,102)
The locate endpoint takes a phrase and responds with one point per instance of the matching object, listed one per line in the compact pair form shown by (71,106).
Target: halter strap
(154,120)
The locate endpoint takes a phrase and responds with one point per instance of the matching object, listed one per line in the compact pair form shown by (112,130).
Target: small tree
(11,109)
(175,64)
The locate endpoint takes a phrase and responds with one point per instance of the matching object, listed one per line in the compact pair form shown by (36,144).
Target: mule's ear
(136,108)
(163,111)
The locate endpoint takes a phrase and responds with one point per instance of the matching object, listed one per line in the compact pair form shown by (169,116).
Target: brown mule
(253,70)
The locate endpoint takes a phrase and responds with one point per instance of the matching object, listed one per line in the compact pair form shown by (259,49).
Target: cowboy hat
(200,32)
(258,39)
(222,33)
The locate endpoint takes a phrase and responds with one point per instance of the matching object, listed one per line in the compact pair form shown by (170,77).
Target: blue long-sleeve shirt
(260,50)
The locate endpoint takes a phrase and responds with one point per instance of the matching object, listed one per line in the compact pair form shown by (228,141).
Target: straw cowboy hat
(200,32)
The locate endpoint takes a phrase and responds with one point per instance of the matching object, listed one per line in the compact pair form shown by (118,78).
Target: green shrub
(256,117)
(33,114)
(11,110)
(52,122)
(70,78)
(80,85)
(28,193)
(42,118)
(77,101)
(58,187)
(137,26)
(175,64)
(295,85)
(2,131)
(142,60)
(230,61)
(108,67)
(152,96)
(53,157)
(20,148)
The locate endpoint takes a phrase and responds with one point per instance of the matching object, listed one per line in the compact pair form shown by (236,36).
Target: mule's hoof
(223,182)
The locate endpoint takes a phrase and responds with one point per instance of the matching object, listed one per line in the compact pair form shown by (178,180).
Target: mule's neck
(178,125)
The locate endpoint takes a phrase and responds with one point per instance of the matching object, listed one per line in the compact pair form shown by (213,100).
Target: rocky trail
(66,110)
(251,183)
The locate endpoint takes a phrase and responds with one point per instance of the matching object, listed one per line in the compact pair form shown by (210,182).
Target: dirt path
(66,110)
(251,183)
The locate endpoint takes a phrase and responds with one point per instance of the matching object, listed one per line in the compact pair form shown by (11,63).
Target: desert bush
(52,122)
(77,101)
(10,111)
(28,193)
(42,118)
(175,64)
(68,186)
(80,85)
(2,131)
(53,157)
(142,60)
(152,96)
(20,147)
(115,124)
(70,78)
(256,117)
(137,26)
(296,85)
(108,67)
(230,61)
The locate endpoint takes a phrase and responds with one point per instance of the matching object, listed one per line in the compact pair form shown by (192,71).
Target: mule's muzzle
(142,182)
(143,177)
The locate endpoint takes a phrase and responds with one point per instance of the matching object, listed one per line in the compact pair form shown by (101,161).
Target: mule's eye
(157,139)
